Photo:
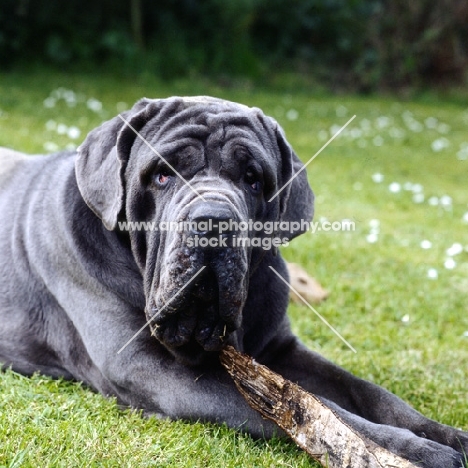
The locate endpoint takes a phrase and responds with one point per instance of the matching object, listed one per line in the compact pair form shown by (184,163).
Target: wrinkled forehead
(210,120)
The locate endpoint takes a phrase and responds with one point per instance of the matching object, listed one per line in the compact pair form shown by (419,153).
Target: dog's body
(75,289)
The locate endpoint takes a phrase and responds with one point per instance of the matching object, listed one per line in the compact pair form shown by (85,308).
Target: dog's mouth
(205,289)
(199,316)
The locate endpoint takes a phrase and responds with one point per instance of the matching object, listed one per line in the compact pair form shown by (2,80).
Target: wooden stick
(313,426)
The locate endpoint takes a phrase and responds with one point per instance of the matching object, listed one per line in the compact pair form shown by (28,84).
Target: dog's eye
(253,180)
(256,186)
(163,177)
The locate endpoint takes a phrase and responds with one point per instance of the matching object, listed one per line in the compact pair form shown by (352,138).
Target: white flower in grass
(450,264)
(50,146)
(417,188)
(377,177)
(292,114)
(462,155)
(465,334)
(405,318)
(454,249)
(51,125)
(415,126)
(94,105)
(465,218)
(374,223)
(73,133)
(62,129)
(67,95)
(418,197)
(334,129)
(382,121)
(445,201)
(426,244)
(432,273)
(440,144)
(378,140)
(433,201)
(431,122)
(397,133)
(394,187)
(49,102)
(443,128)
(372,238)
(407,116)
(355,133)
(57,93)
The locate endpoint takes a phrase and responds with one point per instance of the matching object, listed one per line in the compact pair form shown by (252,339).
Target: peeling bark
(313,426)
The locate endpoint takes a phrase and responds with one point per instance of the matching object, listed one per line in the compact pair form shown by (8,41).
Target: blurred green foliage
(358,44)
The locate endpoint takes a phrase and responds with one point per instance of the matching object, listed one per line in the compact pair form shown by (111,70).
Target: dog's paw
(429,454)
(461,445)
(446,435)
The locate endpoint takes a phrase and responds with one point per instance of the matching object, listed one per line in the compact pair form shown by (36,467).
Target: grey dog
(76,287)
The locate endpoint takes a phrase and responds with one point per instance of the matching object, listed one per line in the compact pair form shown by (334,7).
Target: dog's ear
(297,198)
(102,159)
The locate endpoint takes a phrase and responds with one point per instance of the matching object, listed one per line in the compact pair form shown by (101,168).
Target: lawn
(398,283)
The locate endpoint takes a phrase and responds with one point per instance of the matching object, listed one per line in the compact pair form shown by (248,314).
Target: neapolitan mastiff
(75,287)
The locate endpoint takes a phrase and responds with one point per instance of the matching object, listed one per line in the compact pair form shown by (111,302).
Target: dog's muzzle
(203,283)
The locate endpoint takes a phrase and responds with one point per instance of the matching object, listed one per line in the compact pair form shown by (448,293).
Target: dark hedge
(359,44)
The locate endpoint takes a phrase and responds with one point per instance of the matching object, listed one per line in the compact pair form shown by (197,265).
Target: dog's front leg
(144,375)
(372,410)
(167,389)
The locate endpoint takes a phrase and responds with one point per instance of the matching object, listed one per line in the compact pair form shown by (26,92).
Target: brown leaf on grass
(309,288)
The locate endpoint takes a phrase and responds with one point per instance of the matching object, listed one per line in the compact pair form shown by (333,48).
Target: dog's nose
(211,219)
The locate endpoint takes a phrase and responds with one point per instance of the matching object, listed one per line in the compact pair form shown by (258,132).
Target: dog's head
(202,173)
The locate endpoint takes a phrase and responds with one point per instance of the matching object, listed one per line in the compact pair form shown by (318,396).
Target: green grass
(410,331)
